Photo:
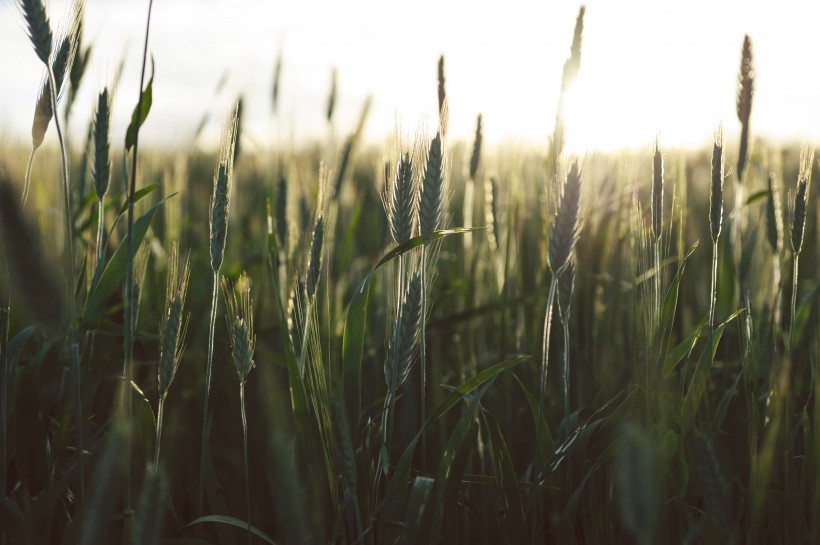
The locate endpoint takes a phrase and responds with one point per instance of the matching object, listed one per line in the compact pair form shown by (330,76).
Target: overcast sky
(648,66)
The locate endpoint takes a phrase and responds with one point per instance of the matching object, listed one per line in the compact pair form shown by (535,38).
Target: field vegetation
(423,341)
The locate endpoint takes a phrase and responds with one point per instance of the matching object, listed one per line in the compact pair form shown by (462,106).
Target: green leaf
(353,349)
(513,522)
(231,521)
(757,196)
(801,315)
(114,273)
(670,301)
(356,323)
(684,349)
(422,486)
(394,499)
(138,196)
(547,446)
(448,475)
(140,112)
(700,378)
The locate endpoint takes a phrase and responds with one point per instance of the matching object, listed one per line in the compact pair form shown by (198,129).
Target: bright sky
(648,67)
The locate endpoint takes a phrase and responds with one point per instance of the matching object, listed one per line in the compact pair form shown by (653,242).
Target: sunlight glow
(647,68)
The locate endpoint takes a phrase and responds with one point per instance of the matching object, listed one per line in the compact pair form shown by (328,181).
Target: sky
(648,67)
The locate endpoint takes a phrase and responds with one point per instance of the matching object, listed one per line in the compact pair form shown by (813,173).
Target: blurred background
(648,67)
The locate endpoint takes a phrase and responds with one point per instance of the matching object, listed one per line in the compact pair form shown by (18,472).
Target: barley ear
(745,89)
(432,190)
(565,226)
(716,195)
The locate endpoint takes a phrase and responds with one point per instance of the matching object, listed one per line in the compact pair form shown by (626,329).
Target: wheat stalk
(101,168)
(430,212)
(172,332)
(220,206)
(745,90)
(243,342)
(774,235)
(798,226)
(442,98)
(562,239)
(715,218)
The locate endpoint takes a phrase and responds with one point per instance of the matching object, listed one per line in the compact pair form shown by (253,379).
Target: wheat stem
(208,369)
(245,453)
(159,429)
(545,347)
(794,301)
(129,276)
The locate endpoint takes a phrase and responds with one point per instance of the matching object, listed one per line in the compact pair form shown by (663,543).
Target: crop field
(426,340)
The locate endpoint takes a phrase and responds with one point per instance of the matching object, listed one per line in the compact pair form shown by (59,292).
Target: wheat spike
(403,201)
(39,29)
(442,98)
(801,199)
(431,190)
(657,193)
(573,63)
(101,168)
(174,322)
(716,195)
(403,345)
(565,226)
(475,158)
(774,221)
(331,97)
(220,199)
(315,259)
(240,325)
(566,287)
(745,89)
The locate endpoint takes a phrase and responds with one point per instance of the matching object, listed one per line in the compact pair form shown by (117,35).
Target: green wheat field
(428,342)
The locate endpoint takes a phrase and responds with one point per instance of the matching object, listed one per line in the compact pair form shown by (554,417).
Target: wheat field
(427,340)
